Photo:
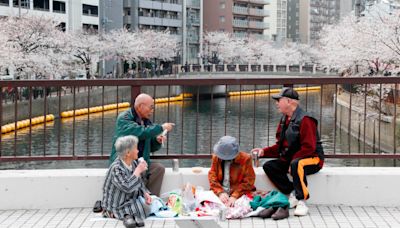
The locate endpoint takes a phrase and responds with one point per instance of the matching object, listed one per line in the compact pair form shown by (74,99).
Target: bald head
(143,98)
(144,105)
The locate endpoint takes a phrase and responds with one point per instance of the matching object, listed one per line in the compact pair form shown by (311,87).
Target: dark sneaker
(139,222)
(281,213)
(97,207)
(266,213)
(129,221)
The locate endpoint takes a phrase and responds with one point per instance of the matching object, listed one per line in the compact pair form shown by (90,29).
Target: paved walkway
(319,217)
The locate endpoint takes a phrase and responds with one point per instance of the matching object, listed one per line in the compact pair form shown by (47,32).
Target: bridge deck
(319,217)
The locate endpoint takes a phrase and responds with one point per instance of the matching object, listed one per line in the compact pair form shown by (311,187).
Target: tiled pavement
(319,217)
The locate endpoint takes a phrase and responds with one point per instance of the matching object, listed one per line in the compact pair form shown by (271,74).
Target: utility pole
(357,9)
(19,8)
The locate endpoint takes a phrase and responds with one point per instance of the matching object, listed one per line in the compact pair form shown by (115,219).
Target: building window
(41,5)
(222,19)
(4,2)
(127,12)
(90,28)
(24,3)
(61,26)
(58,7)
(90,10)
(222,5)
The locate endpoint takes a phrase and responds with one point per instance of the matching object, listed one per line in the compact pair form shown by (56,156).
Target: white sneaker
(301,208)
(292,200)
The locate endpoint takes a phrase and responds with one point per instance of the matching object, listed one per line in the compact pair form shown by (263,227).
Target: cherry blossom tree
(85,48)
(365,46)
(232,50)
(157,45)
(370,42)
(215,42)
(37,44)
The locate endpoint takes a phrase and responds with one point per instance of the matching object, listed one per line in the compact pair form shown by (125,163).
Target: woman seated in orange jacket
(231,174)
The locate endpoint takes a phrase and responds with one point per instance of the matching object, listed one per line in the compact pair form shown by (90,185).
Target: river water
(196,130)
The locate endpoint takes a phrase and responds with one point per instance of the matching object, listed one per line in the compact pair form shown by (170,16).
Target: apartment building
(243,18)
(277,20)
(180,17)
(306,18)
(73,14)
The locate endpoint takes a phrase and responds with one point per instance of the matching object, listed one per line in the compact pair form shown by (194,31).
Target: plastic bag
(188,199)
(175,202)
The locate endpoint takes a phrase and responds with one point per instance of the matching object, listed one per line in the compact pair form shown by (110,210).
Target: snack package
(175,202)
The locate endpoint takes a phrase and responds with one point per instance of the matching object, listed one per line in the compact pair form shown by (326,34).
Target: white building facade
(72,14)
(277,20)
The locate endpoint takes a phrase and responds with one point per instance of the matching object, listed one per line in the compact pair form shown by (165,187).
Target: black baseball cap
(286,92)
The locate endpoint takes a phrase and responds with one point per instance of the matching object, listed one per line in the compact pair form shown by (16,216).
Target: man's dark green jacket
(129,123)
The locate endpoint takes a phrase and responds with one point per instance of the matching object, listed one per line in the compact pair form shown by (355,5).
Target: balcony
(160,6)
(240,35)
(261,2)
(193,21)
(171,22)
(258,25)
(193,39)
(259,36)
(127,20)
(240,23)
(258,12)
(240,10)
(150,21)
(193,3)
(127,3)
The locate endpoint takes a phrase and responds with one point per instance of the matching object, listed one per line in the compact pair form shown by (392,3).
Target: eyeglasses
(151,107)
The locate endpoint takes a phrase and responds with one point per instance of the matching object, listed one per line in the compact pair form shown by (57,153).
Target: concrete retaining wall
(379,129)
(69,188)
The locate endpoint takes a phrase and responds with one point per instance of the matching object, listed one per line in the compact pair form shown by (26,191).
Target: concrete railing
(71,188)
(307,69)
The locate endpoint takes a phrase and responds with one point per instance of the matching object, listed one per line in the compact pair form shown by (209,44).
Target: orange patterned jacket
(241,175)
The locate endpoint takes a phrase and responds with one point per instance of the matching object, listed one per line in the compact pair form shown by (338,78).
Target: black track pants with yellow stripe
(277,171)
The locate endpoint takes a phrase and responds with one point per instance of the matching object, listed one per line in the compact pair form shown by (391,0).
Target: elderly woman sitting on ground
(231,174)
(124,193)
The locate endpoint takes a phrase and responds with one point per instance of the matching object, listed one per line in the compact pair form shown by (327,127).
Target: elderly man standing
(136,121)
(298,148)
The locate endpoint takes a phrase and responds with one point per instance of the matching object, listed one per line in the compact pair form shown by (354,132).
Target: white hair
(124,144)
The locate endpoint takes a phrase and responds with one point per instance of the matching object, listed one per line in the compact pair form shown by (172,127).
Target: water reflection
(198,127)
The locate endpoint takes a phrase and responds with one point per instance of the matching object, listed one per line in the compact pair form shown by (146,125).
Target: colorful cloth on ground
(242,176)
(240,208)
(273,199)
